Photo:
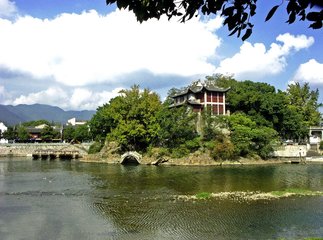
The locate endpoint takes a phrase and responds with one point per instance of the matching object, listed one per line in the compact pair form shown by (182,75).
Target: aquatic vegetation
(295,191)
(251,196)
(203,195)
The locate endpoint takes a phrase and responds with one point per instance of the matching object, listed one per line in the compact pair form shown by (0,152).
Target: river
(73,200)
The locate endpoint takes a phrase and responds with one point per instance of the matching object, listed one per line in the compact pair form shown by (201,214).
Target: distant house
(74,122)
(201,96)
(3,128)
(35,132)
(316,134)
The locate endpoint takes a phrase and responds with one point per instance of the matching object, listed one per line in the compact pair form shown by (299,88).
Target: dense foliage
(290,113)
(35,123)
(237,13)
(260,118)
(130,119)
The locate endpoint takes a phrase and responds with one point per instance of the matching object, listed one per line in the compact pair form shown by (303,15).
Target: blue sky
(78,54)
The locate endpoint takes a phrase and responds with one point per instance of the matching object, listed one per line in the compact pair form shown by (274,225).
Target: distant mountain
(12,115)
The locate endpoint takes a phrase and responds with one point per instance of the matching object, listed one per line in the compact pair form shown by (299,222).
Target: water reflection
(68,200)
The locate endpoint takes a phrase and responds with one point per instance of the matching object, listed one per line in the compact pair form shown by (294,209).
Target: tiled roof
(191,102)
(199,88)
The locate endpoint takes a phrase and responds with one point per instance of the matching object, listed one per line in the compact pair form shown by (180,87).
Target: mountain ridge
(12,115)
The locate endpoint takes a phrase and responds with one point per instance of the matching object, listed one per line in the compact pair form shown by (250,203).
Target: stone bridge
(131,158)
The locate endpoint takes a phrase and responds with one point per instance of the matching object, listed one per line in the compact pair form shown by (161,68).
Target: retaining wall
(26,149)
(291,151)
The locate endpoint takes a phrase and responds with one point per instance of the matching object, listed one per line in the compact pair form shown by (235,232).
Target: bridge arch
(131,158)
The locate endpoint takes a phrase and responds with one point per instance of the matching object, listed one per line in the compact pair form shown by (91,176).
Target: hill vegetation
(260,118)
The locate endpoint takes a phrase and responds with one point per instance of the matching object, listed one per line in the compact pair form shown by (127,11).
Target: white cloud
(7,8)
(311,71)
(49,96)
(77,99)
(2,93)
(255,61)
(87,48)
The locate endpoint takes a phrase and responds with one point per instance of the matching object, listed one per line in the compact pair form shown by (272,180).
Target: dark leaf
(247,34)
(250,25)
(303,3)
(244,17)
(271,13)
(303,15)
(313,16)
(234,31)
(316,25)
(228,11)
(291,6)
(239,32)
(253,9)
(292,18)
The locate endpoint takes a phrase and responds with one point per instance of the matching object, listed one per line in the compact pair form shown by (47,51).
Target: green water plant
(295,191)
(203,195)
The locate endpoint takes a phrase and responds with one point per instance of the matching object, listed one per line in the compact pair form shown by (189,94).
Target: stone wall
(21,149)
(291,151)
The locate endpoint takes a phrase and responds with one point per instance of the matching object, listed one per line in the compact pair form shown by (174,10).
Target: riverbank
(27,149)
(191,160)
(112,156)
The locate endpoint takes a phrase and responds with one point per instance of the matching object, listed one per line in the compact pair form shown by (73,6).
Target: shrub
(95,147)
(223,150)
(321,145)
(179,152)
(193,145)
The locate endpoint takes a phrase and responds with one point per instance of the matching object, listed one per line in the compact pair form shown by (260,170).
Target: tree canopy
(237,13)
(290,113)
(129,119)
(260,118)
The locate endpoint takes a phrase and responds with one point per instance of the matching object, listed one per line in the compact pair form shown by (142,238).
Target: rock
(159,161)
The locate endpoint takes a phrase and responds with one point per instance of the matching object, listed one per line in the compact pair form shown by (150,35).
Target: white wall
(3,128)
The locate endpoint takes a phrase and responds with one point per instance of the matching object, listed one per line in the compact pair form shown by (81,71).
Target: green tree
(211,126)
(248,138)
(177,126)
(49,133)
(22,133)
(130,119)
(306,102)
(82,133)
(10,134)
(237,13)
(102,121)
(35,123)
(279,110)
(68,133)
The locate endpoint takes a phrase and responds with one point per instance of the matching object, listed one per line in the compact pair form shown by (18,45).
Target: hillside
(12,115)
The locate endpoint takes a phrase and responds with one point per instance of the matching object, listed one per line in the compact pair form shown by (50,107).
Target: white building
(316,135)
(3,128)
(73,122)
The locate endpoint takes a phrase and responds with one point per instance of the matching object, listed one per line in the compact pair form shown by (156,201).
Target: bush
(193,145)
(95,147)
(209,145)
(157,152)
(321,145)
(179,152)
(223,150)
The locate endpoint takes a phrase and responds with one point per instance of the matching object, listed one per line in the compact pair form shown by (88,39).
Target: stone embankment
(23,150)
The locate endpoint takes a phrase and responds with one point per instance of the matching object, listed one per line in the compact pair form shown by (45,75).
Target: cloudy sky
(78,54)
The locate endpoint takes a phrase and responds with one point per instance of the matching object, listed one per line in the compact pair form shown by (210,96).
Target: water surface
(72,200)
